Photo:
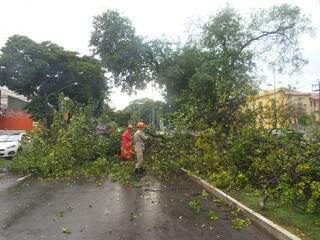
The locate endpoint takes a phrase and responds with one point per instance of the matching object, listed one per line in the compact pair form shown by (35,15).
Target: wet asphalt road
(87,210)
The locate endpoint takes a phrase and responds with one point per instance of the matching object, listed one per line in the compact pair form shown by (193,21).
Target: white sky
(69,24)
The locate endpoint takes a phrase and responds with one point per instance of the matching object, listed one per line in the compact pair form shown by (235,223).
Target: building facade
(274,108)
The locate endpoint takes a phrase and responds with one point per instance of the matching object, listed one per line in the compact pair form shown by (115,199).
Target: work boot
(138,172)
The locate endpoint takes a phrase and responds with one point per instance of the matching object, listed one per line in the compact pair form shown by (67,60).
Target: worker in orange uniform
(126,144)
(139,139)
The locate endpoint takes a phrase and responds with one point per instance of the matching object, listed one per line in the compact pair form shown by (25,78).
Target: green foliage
(122,118)
(239,223)
(40,71)
(132,60)
(209,81)
(194,205)
(282,164)
(73,149)
(212,215)
(121,51)
(295,220)
(176,71)
(168,154)
(67,149)
(60,214)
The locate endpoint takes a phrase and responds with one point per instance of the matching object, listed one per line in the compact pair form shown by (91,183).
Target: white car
(10,144)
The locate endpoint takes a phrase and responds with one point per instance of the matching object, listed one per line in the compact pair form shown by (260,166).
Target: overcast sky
(69,24)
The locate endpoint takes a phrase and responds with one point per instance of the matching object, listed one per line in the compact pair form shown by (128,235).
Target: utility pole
(139,112)
(316,88)
(152,116)
(275,99)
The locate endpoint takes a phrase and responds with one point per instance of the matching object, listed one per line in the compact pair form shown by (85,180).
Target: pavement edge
(264,223)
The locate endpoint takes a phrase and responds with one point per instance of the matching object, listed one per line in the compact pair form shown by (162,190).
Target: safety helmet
(140,125)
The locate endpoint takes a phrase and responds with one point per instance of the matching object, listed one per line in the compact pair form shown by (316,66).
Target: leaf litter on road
(66,230)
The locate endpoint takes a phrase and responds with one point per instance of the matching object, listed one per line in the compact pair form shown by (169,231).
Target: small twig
(152,190)
(192,194)
(23,178)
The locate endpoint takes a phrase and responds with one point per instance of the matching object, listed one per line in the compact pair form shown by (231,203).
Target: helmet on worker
(140,125)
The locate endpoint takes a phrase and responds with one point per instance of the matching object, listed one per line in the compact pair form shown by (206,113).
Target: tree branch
(279,30)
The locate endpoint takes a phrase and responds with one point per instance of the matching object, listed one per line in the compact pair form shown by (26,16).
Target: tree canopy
(210,78)
(131,59)
(121,51)
(41,70)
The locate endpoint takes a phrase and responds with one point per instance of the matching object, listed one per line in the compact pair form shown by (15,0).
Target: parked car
(10,144)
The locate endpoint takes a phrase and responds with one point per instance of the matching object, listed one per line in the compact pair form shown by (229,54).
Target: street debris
(23,178)
(194,205)
(212,215)
(60,214)
(132,216)
(66,230)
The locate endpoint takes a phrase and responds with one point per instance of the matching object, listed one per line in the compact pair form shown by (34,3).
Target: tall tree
(41,70)
(213,78)
(131,60)
(121,51)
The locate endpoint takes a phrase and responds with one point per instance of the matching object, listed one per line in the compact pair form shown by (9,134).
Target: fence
(13,120)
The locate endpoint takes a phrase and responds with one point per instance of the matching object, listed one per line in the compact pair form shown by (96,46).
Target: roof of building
(8,92)
(285,91)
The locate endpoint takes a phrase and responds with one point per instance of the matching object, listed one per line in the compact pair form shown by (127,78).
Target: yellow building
(276,108)
(315,102)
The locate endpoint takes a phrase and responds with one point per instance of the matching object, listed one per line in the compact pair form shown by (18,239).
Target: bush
(283,164)
(167,154)
(67,149)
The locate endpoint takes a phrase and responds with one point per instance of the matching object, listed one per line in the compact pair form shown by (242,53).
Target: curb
(270,227)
